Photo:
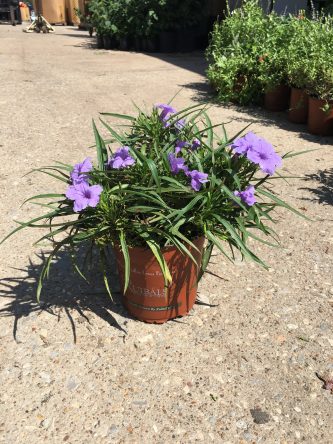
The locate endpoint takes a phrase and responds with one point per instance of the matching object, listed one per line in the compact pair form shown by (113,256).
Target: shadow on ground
(204,93)
(324,192)
(64,293)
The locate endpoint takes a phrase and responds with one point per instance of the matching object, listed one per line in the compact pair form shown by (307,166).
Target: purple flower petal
(84,195)
(197,179)
(244,144)
(180,145)
(121,158)
(196,144)
(166,110)
(263,154)
(78,173)
(180,124)
(247,195)
(177,164)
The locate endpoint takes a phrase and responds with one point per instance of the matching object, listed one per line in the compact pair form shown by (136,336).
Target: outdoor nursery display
(150,25)
(160,195)
(283,62)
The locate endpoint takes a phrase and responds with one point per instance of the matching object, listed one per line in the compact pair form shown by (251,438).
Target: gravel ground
(241,369)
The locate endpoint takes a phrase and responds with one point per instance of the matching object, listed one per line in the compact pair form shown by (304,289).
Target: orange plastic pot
(299,106)
(147,298)
(277,99)
(319,121)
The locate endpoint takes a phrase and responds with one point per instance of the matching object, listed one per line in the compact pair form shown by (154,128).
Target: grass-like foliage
(175,177)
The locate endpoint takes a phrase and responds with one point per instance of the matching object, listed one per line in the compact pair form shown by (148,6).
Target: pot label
(148,292)
(147,308)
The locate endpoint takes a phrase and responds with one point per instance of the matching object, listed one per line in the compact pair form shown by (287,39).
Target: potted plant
(320,78)
(163,194)
(299,57)
(234,54)
(272,63)
(98,16)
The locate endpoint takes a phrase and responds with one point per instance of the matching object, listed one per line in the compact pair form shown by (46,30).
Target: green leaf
(119,116)
(102,154)
(280,202)
(205,259)
(32,221)
(43,196)
(127,260)
(103,261)
(117,136)
(210,236)
(160,259)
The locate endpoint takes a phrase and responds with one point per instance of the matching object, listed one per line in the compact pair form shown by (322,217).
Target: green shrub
(319,66)
(234,52)
(251,53)
(300,50)
(274,43)
(143,18)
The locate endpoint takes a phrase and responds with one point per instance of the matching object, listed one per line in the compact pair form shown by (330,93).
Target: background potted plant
(273,63)
(300,55)
(160,189)
(320,77)
(98,18)
(235,53)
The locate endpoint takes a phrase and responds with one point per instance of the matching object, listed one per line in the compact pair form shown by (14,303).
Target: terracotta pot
(100,41)
(146,297)
(277,99)
(319,121)
(299,106)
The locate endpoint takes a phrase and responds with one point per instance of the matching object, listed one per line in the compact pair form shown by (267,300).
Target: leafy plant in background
(165,180)
(319,69)
(99,16)
(274,44)
(251,53)
(300,50)
(234,54)
(144,18)
(175,14)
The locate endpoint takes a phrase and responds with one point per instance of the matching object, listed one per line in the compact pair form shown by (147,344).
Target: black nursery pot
(124,44)
(186,39)
(149,44)
(168,41)
(114,42)
(107,42)
(138,44)
(100,42)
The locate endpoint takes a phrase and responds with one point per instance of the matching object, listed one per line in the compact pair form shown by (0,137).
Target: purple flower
(180,145)
(247,195)
(177,164)
(264,155)
(197,179)
(77,174)
(121,158)
(180,124)
(83,195)
(196,144)
(246,143)
(166,110)
(258,151)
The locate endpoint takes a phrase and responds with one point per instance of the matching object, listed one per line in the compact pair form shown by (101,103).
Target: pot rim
(163,249)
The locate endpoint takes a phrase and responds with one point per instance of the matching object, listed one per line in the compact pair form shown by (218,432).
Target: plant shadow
(324,192)
(64,293)
(204,93)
